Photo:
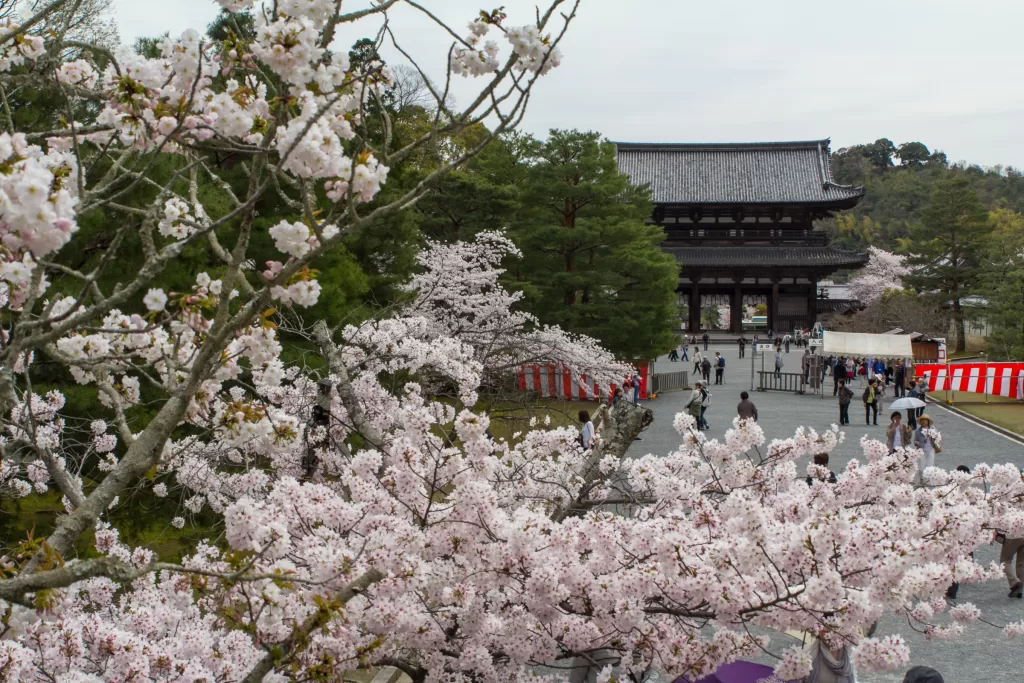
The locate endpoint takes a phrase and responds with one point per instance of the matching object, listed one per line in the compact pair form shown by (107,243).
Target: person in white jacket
(698,358)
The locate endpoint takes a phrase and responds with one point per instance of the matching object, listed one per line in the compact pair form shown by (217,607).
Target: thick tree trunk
(961,326)
(618,429)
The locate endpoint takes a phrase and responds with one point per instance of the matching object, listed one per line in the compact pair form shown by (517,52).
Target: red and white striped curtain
(994,379)
(554,381)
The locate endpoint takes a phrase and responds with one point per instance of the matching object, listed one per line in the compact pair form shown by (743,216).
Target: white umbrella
(906,403)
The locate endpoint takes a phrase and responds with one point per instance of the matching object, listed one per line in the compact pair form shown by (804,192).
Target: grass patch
(507,419)
(141,523)
(1008,413)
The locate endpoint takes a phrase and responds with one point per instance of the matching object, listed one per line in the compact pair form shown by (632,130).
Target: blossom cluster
(531,48)
(479,557)
(884,272)
(38,196)
(24,47)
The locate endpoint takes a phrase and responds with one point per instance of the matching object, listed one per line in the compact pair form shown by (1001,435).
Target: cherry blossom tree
(368,517)
(725,317)
(884,272)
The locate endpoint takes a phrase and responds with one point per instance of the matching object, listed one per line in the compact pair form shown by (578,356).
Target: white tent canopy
(869,345)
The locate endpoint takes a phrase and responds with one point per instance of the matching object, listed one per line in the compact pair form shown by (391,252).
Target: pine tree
(947,245)
(1003,285)
(590,262)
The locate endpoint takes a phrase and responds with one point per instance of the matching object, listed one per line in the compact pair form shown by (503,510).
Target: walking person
(830,664)
(705,370)
(778,363)
(746,408)
(927,439)
(922,393)
(705,403)
(587,433)
(898,435)
(673,355)
(912,412)
(719,367)
(870,398)
(697,360)
(706,339)
(805,364)
(694,404)
(636,388)
(686,356)
(845,396)
(742,341)
(851,369)
(1014,570)
(899,374)
(787,341)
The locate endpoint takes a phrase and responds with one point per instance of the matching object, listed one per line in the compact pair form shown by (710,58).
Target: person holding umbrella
(898,435)
(911,404)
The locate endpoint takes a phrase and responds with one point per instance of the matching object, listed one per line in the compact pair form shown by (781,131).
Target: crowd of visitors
(887,372)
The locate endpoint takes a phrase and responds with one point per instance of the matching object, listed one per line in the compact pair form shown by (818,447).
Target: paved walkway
(983,653)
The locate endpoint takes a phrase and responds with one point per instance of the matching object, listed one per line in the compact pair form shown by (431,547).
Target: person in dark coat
(706,338)
(912,412)
(923,674)
(845,396)
(838,375)
(900,378)
(746,408)
(821,459)
(705,369)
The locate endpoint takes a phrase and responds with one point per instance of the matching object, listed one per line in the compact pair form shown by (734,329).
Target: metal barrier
(667,381)
(785,381)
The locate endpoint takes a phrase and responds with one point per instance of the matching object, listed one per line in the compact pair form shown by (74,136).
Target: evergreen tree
(1003,285)
(484,195)
(590,262)
(947,245)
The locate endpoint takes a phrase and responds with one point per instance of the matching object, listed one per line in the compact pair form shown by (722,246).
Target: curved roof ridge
(795,144)
(795,172)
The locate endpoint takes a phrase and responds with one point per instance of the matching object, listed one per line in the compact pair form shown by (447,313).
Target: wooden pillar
(737,310)
(812,304)
(773,310)
(694,323)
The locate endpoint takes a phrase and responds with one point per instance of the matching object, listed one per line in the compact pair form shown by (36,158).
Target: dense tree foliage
(590,263)
(913,194)
(896,194)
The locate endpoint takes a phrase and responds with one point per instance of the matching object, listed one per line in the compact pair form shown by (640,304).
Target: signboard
(942,350)
(764,347)
(817,342)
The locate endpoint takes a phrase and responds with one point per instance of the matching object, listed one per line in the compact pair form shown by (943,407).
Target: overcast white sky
(944,72)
